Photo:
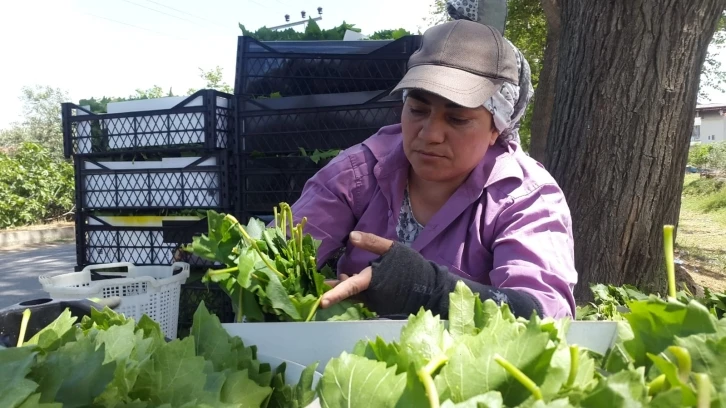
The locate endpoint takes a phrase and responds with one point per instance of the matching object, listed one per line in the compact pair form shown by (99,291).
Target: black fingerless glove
(403,281)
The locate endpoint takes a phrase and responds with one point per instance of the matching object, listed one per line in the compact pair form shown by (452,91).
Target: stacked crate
(145,173)
(296,97)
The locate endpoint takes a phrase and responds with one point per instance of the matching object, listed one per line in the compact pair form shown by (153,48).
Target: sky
(96,48)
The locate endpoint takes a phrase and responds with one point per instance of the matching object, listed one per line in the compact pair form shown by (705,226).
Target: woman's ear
(493,137)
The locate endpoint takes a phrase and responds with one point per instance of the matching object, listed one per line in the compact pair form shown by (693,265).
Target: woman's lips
(430,154)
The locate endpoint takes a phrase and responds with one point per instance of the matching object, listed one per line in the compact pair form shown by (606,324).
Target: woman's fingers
(370,242)
(335,282)
(347,287)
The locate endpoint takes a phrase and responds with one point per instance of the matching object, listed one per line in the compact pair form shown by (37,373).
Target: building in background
(709,125)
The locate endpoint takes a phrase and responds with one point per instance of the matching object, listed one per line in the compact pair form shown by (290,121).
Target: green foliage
(99,105)
(714,202)
(704,187)
(214,80)
(527,29)
(313,32)
(110,361)
(713,76)
(41,122)
(35,185)
(611,302)
(390,34)
(698,154)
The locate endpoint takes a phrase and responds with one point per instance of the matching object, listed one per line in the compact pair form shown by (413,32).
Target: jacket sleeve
(533,250)
(328,202)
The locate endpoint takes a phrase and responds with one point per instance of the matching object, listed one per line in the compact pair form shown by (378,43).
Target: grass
(701,235)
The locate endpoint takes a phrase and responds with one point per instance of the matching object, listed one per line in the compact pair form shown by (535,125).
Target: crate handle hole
(35,302)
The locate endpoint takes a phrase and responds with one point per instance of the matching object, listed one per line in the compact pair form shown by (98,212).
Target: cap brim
(460,87)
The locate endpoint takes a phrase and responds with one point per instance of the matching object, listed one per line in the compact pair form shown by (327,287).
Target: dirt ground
(701,244)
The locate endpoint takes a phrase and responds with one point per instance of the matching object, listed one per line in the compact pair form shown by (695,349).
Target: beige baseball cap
(462,61)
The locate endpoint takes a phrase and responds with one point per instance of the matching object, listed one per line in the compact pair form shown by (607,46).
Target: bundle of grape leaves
(270,273)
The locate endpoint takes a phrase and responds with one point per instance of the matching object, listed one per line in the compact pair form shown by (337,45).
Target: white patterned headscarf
(508,105)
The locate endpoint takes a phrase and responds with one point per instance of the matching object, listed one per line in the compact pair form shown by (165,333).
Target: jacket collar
(391,173)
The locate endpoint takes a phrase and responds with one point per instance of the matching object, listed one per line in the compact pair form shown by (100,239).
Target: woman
(445,195)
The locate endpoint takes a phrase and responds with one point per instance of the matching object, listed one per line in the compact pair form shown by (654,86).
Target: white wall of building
(709,127)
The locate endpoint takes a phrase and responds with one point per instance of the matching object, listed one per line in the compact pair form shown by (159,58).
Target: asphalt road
(21,267)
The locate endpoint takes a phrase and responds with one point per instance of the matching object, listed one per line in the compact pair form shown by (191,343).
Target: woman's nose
(433,130)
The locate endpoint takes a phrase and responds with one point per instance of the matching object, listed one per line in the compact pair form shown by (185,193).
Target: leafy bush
(714,201)
(698,154)
(704,187)
(35,185)
(711,156)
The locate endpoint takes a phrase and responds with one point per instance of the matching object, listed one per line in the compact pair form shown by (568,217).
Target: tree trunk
(627,84)
(544,96)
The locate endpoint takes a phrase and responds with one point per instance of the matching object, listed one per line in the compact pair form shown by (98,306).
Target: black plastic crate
(286,125)
(203,120)
(193,292)
(267,182)
(291,68)
(199,181)
(139,239)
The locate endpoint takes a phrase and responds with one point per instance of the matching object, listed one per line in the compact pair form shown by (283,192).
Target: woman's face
(444,141)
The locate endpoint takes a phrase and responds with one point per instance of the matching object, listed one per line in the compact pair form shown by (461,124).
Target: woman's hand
(348,287)
(402,281)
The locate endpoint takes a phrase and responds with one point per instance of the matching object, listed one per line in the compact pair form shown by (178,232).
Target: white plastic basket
(145,290)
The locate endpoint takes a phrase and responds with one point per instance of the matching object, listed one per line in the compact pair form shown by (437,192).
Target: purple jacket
(507,226)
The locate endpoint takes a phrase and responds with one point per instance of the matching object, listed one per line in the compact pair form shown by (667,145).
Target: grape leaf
(671,372)
(56,334)
(276,295)
(414,394)
(152,330)
(102,319)
(61,378)
(422,339)
(245,267)
(173,374)
(118,341)
(656,323)
(471,369)
(623,389)
(240,390)
(352,381)
(708,353)
(16,364)
(287,396)
(461,311)
(379,350)
(219,244)
(343,311)
(491,399)
(669,399)
(34,402)
(211,340)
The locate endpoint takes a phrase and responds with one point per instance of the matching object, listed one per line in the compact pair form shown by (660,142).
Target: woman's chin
(432,173)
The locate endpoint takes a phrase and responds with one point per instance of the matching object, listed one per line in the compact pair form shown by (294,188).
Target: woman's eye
(459,121)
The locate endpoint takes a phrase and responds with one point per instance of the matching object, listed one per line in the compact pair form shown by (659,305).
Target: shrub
(35,186)
(714,201)
(704,186)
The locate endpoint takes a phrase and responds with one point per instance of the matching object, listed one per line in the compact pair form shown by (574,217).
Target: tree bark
(627,84)
(544,96)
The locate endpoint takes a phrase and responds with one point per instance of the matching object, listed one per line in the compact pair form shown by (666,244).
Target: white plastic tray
(311,342)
